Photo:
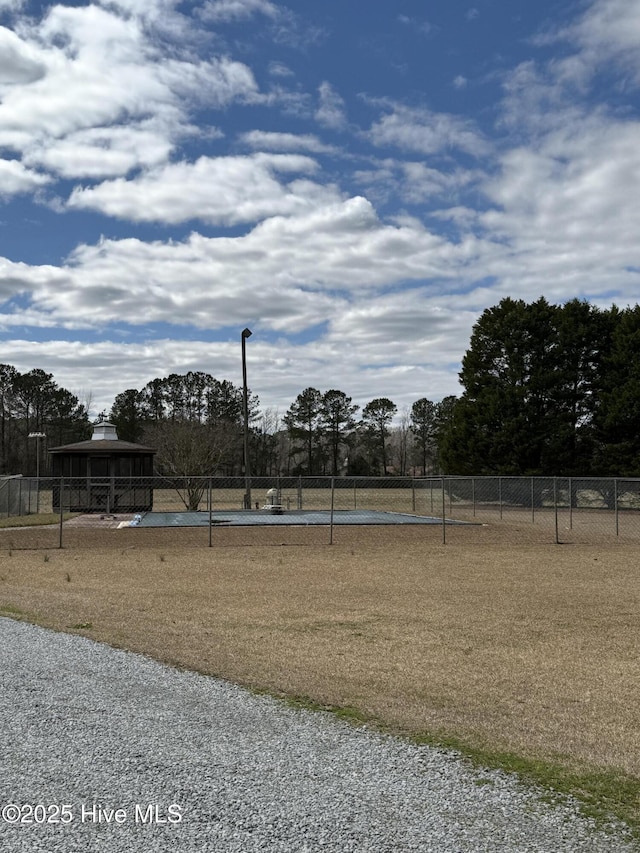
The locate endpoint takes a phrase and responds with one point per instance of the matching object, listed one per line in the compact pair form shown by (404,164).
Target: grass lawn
(524,656)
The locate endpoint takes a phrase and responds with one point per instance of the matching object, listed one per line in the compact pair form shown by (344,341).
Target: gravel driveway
(108,751)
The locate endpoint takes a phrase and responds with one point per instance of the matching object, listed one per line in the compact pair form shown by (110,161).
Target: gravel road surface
(104,750)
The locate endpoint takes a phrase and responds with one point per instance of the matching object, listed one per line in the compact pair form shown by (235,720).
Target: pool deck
(305,518)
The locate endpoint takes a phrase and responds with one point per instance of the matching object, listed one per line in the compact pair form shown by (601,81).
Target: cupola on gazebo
(103,474)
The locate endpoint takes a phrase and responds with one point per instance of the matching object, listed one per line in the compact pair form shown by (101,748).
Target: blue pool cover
(236,518)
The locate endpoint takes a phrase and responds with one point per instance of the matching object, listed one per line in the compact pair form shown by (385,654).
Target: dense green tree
(444,419)
(33,402)
(66,418)
(376,419)
(583,339)
(304,423)
(423,427)
(617,418)
(128,415)
(499,426)
(195,398)
(32,393)
(532,376)
(337,423)
(224,403)
(153,400)
(8,375)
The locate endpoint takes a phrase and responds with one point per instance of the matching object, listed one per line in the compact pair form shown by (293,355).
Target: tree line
(34,403)
(195,422)
(547,390)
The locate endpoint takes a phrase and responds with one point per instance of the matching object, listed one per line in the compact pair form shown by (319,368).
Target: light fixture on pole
(38,436)
(246,333)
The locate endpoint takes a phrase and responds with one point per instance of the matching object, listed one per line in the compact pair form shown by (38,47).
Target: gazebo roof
(104,446)
(104,440)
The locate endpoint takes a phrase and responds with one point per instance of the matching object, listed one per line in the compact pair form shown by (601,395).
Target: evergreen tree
(303,421)
(337,422)
(128,415)
(8,375)
(423,426)
(528,377)
(617,418)
(376,418)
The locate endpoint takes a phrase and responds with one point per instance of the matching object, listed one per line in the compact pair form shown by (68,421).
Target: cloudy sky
(355,182)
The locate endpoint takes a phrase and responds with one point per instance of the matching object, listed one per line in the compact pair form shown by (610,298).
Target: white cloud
(19,62)
(610,31)
(420,129)
(103,152)
(276,373)
(114,89)
(289,273)
(223,190)
(102,69)
(605,37)
(279,69)
(565,197)
(215,83)
(569,208)
(270,141)
(413,181)
(16,178)
(221,11)
(11,5)
(381,329)
(331,111)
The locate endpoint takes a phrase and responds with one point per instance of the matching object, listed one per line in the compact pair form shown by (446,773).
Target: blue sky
(354,182)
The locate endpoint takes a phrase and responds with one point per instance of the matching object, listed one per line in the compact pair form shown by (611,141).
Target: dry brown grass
(534,646)
(505,644)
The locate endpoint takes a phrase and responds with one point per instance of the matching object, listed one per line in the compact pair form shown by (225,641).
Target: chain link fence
(19,496)
(316,510)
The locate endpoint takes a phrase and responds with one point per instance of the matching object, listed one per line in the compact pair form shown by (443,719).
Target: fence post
(444,527)
(299,492)
(500,495)
(615,505)
(473,494)
(61,511)
(533,501)
(210,498)
(570,505)
(555,506)
(333,484)
(413,494)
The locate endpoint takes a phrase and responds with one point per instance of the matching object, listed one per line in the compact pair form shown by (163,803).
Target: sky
(354,182)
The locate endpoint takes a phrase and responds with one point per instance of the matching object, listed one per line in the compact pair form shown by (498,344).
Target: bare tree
(268,445)
(190,452)
(399,440)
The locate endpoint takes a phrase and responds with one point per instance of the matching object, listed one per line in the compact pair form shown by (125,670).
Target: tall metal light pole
(37,436)
(246,333)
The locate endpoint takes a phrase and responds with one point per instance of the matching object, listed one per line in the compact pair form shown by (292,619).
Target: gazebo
(103,474)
